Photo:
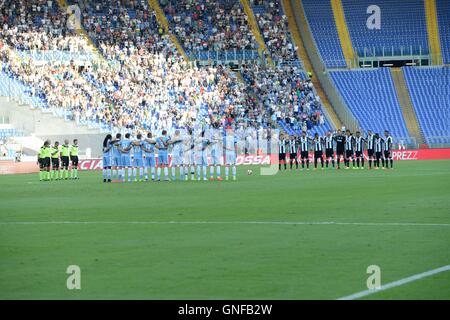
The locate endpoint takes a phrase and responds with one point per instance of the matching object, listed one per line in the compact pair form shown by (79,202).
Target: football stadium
(225,150)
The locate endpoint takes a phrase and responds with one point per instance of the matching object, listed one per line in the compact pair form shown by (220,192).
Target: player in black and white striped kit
(329,148)
(293,149)
(370,147)
(349,151)
(304,148)
(318,150)
(359,149)
(378,149)
(388,150)
(282,151)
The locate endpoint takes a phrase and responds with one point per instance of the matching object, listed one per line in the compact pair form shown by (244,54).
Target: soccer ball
(249,172)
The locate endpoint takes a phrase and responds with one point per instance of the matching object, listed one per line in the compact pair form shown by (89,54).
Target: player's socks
(192,173)
(284,165)
(166,173)
(104,175)
(353,162)
(146,173)
(327,162)
(40,175)
(290,165)
(234,172)
(134,177)
(152,170)
(296,163)
(307,164)
(370,163)
(362,162)
(218,171)
(173,173)
(392,163)
(382,163)
(47,175)
(158,173)
(108,174)
(204,172)
(227,171)
(303,164)
(131,173)
(181,173)
(141,174)
(279,167)
(199,172)
(211,172)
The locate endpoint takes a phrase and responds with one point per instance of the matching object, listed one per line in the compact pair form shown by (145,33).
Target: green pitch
(188,240)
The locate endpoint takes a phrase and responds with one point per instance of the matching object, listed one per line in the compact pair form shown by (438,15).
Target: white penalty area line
(396,283)
(231,222)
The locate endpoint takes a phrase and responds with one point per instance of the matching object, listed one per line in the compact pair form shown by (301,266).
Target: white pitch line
(233,222)
(396,283)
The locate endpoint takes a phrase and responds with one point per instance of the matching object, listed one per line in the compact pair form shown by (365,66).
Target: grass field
(257,238)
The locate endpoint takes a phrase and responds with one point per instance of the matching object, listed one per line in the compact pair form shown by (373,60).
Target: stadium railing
(227,56)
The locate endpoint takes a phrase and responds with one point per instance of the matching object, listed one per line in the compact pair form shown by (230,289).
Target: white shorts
(177,158)
(216,157)
(230,158)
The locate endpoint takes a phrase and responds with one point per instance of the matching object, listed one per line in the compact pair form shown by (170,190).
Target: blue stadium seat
(429,89)
(321,21)
(371,97)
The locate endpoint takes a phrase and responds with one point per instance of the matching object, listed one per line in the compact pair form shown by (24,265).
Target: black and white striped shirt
(388,143)
(282,146)
(329,142)
(378,145)
(370,139)
(293,146)
(359,144)
(349,143)
(318,144)
(304,144)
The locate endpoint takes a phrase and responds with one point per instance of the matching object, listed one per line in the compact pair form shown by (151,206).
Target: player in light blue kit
(107,158)
(201,155)
(230,143)
(116,164)
(148,147)
(125,146)
(162,144)
(138,159)
(177,155)
(216,147)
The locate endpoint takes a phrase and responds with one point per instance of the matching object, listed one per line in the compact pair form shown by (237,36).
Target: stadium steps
(409,114)
(82,32)
(262,50)
(433,32)
(342,29)
(303,56)
(162,20)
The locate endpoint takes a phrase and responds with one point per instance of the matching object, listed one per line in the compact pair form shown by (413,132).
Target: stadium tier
(443,14)
(274,28)
(429,89)
(371,97)
(403,27)
(321,21)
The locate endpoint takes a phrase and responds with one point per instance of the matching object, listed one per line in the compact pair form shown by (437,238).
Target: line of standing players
(336,146)
(54,161)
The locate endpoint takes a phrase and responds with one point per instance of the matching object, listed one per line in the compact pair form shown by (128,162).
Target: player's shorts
(304,155)
(64,161)
(188,157)
(216,158)
(329,153)
(149,160)
(163,158)
(74,160)
(378,155)
(107,161)
(55,163)
(281,156)
(230,158)
(201,159)
(318,154)
(370,152)
(293,155)
(387,154)
(116,161)
(177,158)
(46,162)
(348,153)
(125,160)
(138,162)
(358,154)
(340,152)
(41,163)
